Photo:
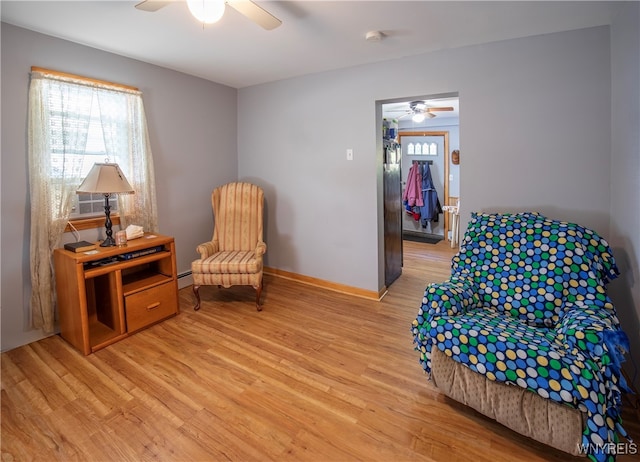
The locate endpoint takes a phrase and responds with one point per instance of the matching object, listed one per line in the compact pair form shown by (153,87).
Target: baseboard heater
(184,275)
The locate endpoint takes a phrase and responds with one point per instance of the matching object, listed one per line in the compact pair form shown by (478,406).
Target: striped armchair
(234,255)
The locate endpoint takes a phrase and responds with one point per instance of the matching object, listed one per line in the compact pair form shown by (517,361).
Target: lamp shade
(105,179)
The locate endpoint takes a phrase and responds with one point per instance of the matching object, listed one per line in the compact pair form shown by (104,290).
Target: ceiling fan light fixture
(374,36)
(206,11)
(418,117)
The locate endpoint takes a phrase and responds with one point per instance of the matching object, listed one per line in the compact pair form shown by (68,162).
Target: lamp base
(108,242)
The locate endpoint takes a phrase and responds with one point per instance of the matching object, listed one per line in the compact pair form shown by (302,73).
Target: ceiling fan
(210,11)
(419,110)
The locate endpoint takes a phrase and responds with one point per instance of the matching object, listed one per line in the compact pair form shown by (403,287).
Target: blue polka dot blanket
(526,305)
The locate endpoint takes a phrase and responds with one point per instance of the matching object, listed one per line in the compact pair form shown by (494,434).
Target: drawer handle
(153,306)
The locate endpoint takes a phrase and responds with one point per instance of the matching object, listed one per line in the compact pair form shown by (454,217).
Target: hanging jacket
(431,208)
(412,194)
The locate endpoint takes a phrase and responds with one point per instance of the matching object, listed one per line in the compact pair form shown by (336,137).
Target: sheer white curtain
(126,140)
(60,110)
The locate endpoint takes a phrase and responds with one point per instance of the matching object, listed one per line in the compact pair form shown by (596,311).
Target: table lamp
(105,179)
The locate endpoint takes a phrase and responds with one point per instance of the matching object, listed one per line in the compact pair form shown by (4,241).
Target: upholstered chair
(523,331)
(234,254)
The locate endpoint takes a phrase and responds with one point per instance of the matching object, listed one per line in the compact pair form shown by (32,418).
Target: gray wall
(625,170)
(534,118)
(192,126)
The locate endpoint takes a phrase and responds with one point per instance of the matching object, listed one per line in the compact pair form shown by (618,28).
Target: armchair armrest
(583,325)
(207,249)
(591,333)
(455,296)
(452,297)
(261,249)
(594,332)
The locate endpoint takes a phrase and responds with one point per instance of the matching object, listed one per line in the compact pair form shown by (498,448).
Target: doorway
(437,131)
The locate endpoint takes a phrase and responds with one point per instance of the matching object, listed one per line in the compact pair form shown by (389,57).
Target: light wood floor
(316,376)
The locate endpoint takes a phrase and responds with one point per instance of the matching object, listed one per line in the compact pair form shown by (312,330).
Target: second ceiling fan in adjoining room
(210,11)
(419,110)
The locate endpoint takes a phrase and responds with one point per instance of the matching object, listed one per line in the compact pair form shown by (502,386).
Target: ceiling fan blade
(255,13)
(433,109)
(152,5)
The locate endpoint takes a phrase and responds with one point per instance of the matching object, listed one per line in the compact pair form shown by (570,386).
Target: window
(77,115)
(86,115)
(73,123)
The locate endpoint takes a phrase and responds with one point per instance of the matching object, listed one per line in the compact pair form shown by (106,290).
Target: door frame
(445,199)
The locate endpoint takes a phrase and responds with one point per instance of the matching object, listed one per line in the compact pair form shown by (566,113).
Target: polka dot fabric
(526,305)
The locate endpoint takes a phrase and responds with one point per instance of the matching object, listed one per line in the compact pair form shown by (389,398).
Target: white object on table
(134,232)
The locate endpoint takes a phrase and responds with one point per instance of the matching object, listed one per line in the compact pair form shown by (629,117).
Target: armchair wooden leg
(197,294)
(258,292)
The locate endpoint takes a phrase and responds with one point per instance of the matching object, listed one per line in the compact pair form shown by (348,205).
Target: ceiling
(315,36)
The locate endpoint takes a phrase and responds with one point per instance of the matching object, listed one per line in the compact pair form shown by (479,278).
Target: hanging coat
(431,208)
(412,194)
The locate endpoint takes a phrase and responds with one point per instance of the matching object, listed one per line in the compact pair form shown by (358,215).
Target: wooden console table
(108,294)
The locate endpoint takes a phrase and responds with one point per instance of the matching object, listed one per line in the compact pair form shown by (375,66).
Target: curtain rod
(79,77)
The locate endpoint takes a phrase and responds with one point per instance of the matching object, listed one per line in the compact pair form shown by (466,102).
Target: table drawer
(149,306)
